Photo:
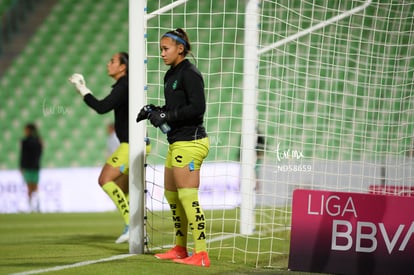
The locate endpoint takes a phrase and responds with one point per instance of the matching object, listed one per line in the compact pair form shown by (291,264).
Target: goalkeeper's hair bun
(123,59)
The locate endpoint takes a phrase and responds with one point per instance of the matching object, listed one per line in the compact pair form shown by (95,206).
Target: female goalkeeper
(113,178)
(188,146)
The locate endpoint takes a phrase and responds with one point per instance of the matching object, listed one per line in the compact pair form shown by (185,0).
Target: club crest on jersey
(174,86)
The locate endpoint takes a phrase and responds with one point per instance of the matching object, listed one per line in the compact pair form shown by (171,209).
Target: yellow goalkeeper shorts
(191,153)
(120,157)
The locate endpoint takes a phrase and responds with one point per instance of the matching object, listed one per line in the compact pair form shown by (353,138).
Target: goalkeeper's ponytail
(183,35)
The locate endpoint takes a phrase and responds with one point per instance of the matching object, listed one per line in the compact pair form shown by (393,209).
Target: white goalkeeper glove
(79,82)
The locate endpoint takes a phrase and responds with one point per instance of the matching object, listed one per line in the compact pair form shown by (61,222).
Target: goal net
(333,110)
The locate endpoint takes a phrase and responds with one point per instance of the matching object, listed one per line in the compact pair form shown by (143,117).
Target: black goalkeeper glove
(145,112)
(158,117)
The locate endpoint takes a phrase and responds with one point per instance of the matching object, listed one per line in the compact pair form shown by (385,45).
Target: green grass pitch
(35,242)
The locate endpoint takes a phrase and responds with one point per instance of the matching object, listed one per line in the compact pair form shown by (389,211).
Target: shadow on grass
(103,242)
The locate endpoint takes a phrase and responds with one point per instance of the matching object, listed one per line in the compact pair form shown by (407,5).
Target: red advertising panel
(351,233)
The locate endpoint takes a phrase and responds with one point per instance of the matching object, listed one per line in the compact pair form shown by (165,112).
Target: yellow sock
(118,197)
(179,218)
(195,216)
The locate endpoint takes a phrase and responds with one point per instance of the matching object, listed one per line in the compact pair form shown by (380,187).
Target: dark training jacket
(117,100)
(185,102)
(31,151)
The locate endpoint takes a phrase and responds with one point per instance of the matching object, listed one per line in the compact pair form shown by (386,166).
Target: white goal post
(137,99)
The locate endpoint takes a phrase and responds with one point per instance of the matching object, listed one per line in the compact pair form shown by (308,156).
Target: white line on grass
(56,268)
(122,256)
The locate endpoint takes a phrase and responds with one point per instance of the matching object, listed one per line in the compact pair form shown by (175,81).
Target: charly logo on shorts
(179,159)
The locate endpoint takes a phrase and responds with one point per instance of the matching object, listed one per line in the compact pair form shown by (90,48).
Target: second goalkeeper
(114,177)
